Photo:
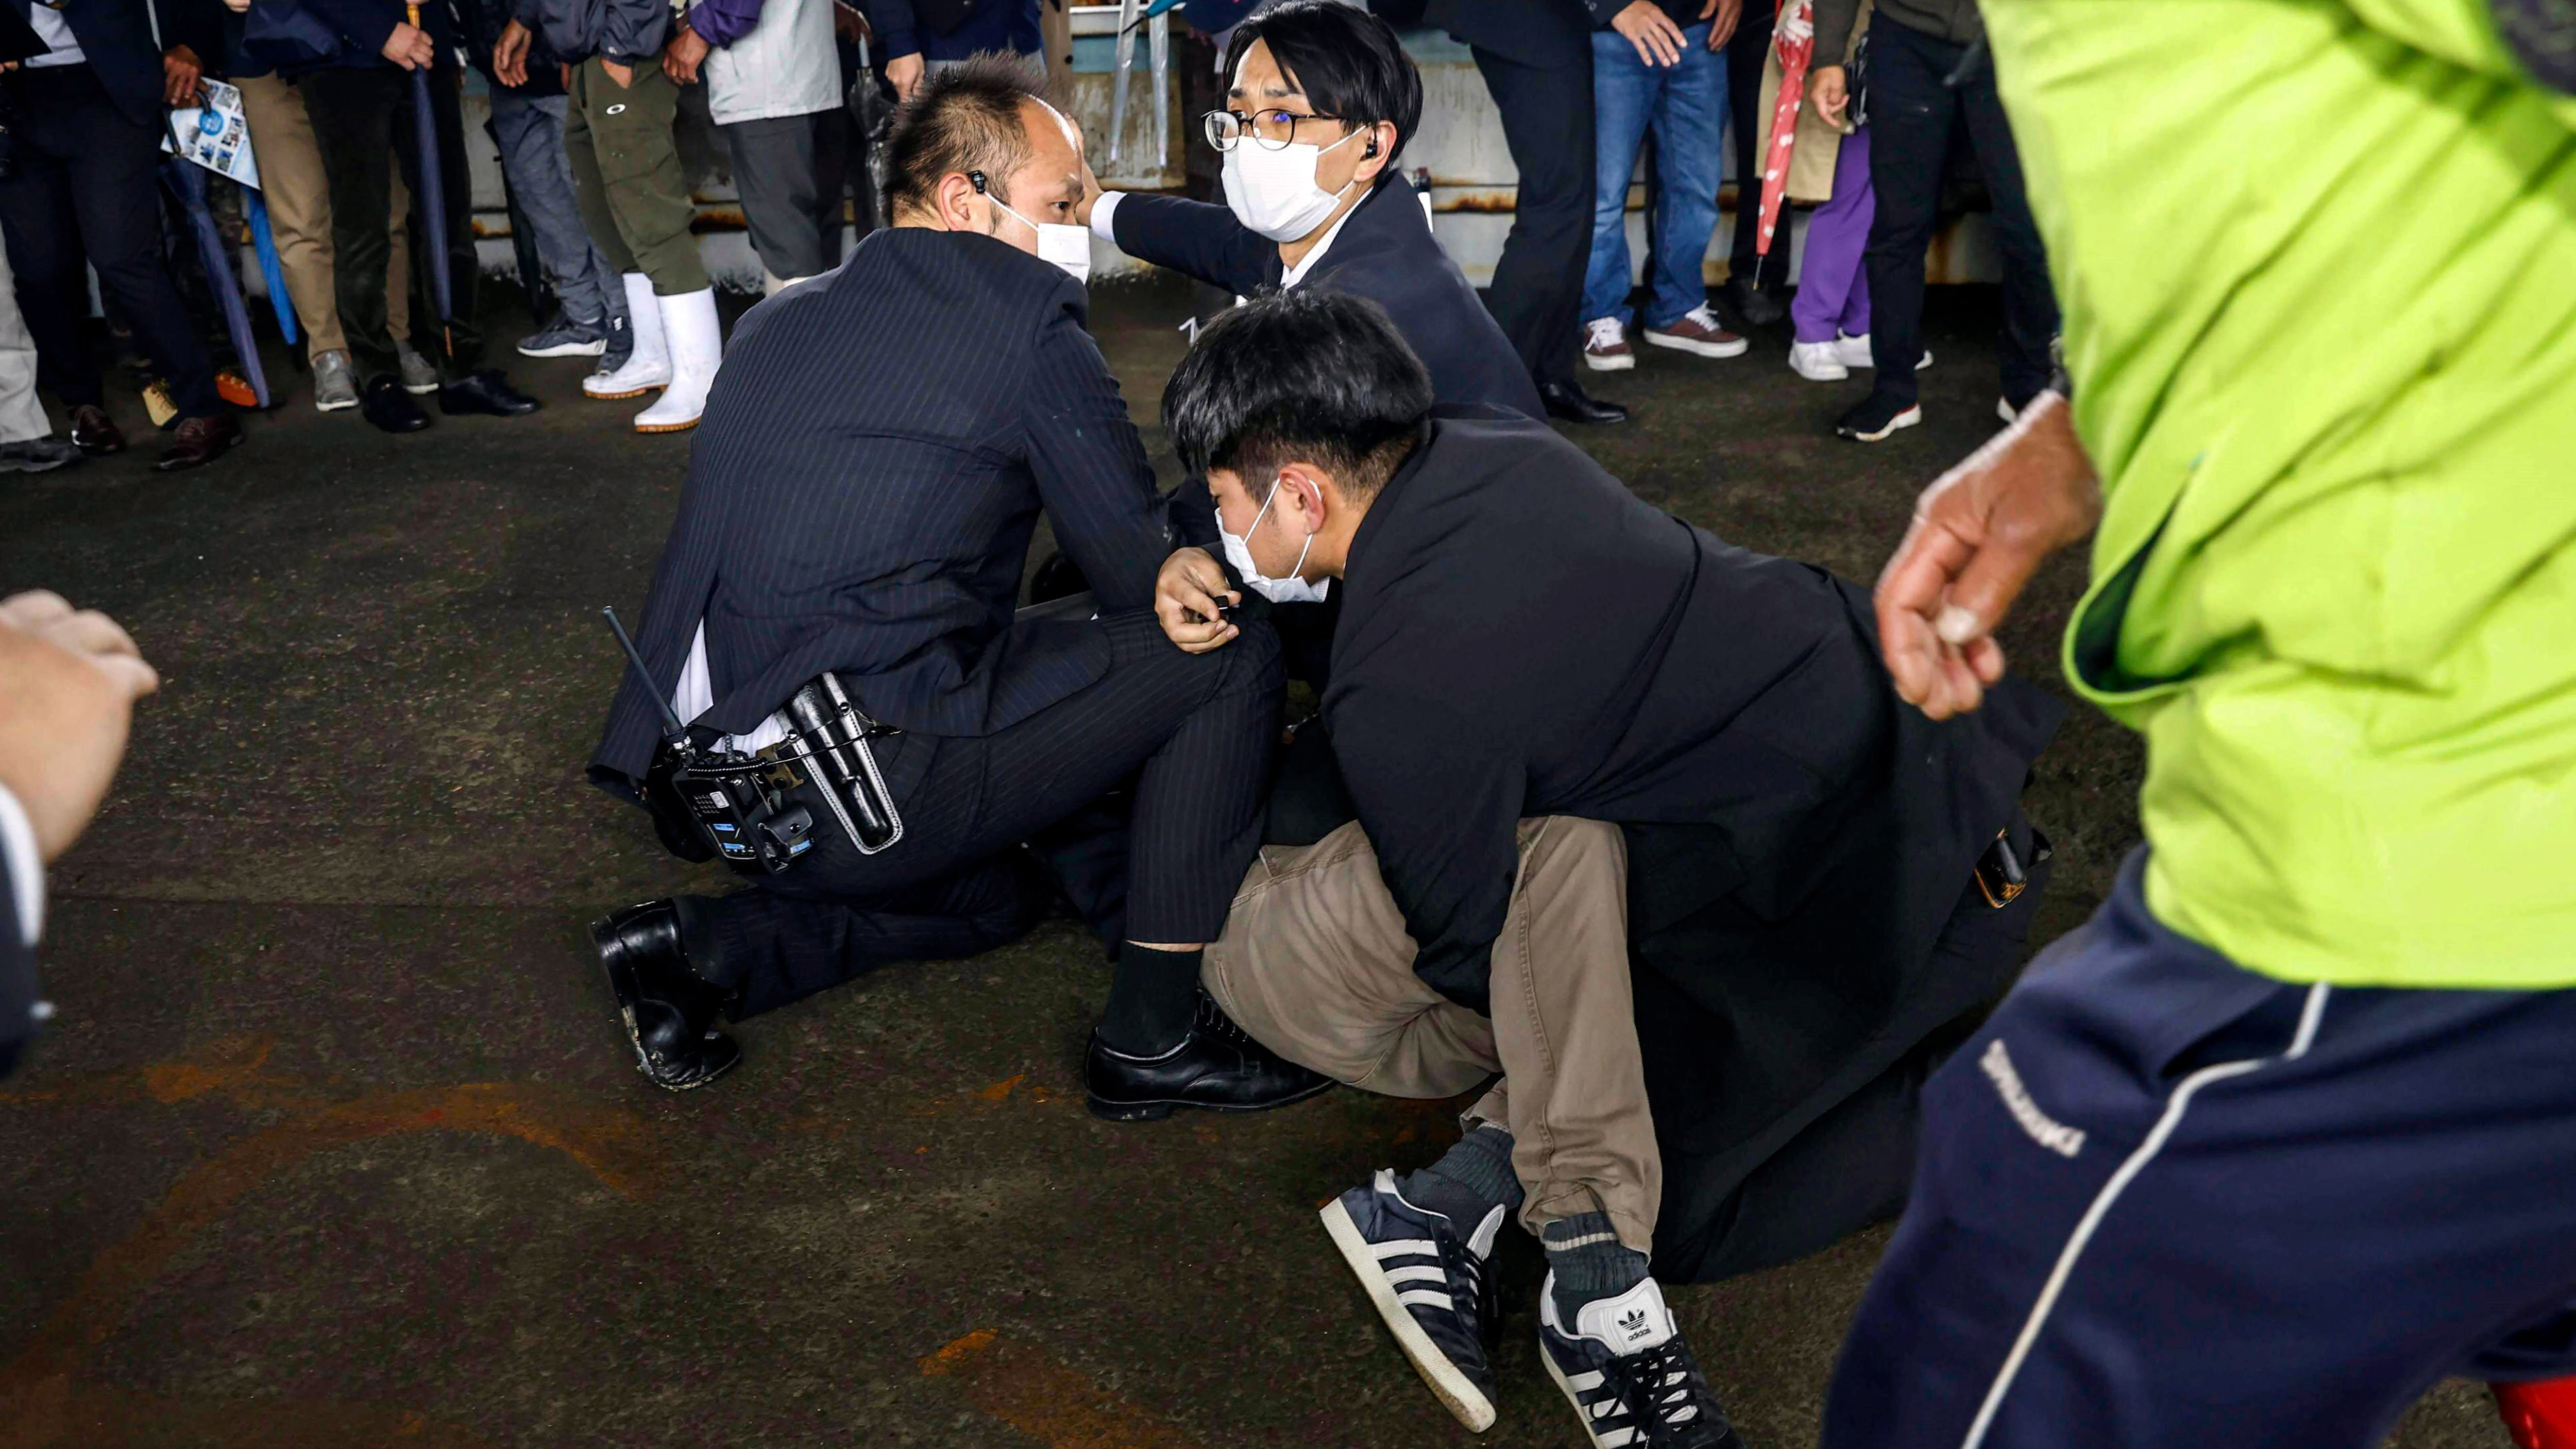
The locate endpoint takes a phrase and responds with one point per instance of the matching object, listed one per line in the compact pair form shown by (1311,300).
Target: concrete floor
(335,1142)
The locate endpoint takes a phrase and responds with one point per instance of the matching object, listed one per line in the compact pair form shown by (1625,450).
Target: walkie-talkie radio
(756,810)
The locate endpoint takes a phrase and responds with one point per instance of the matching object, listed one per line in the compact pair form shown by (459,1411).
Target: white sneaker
(1854,352)
(1818,361)
(1605,346)
(648,366)
(695,339)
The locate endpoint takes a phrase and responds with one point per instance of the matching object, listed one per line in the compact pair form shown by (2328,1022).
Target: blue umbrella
(183,178)
(431,195)
(265,242)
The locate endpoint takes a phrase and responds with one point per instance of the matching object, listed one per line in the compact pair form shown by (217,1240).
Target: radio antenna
(674,733)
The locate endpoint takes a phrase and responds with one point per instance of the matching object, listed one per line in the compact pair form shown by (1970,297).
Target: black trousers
(1194,734)
(1745,55)
(1912,115)
(363,125)
(1537,293)
(778,164)
(85,195)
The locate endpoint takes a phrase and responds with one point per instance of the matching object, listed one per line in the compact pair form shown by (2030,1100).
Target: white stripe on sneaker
(1404,1247)
(1418,1273)
(1427,1298)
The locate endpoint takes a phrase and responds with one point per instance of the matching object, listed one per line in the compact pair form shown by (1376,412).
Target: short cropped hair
(965,117)
(1348,62)
(1305,376)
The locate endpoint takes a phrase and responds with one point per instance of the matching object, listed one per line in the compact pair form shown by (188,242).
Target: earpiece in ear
(1372,149)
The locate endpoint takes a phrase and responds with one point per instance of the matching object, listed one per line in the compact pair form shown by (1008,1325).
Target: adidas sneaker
(1629,1375)
(1430,1285)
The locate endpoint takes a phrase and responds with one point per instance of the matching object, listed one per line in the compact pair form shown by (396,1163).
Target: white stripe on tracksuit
(2309,1016)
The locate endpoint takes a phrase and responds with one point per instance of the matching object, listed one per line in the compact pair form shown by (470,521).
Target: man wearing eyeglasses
(1321,102)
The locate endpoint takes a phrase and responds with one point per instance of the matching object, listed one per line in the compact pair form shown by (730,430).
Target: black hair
(1348,62)
(1305,376)
(965,117)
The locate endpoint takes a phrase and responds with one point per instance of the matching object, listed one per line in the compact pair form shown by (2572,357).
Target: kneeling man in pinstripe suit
(874,456)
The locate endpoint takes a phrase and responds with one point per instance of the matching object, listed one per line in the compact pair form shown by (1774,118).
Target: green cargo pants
(627,178)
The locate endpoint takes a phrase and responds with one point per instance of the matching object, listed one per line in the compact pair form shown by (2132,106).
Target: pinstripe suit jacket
(863,486)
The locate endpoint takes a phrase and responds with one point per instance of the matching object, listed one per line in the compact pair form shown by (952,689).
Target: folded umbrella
(431,196)
(1796,41)
(183,178)
(264,241)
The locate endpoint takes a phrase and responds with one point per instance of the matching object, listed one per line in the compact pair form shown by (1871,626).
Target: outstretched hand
(1979,532)
(68,682)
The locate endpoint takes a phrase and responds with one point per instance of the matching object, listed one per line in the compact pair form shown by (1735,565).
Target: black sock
(1472,1180)
(1153,998)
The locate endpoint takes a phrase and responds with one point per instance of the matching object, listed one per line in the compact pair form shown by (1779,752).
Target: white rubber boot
(696,341)
(648,366)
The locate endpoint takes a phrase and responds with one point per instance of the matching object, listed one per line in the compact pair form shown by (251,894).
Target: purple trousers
(1833,288)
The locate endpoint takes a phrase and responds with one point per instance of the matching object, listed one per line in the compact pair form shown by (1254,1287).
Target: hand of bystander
(1828,91)
(181,74)
(1979,532)
(1658,40)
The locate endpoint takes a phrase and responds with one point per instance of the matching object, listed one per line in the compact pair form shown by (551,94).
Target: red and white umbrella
(1795,39)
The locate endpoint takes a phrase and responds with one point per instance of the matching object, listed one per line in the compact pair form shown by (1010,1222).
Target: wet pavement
(335,1142)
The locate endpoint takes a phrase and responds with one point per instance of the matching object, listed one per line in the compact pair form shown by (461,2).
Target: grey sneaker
(566,336)
(335,384)
(37,455)
(419,374)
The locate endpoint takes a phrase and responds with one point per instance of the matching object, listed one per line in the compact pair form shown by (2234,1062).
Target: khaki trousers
(1316,964)
(299,216)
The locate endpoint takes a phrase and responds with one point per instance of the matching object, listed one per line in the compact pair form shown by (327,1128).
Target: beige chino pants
(299,216)
(1316,964)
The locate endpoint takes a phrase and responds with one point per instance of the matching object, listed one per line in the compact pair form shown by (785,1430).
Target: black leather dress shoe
(486,392)
(94,433)
(669,1009)
(1565,400)
(200,441)
(388,407)
(1218,1066)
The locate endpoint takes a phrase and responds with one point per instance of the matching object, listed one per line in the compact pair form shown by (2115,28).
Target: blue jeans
(530,132)
(1685,103)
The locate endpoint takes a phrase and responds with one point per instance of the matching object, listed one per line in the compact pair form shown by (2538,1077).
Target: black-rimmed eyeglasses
(1274,130)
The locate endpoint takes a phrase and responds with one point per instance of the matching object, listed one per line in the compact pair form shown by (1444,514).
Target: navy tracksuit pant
(2166,1202)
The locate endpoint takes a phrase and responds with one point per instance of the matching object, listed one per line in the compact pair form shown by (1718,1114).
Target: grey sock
(1590,1262)
(1469,1182)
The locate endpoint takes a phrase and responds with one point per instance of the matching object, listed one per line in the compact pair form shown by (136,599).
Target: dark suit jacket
(862,489)
(1522,636)
(1544,33)
(1385,252)
(116,38)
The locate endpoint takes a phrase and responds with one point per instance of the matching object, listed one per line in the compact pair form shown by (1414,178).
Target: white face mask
(1274,192)
(1068,247)
(1238,552)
